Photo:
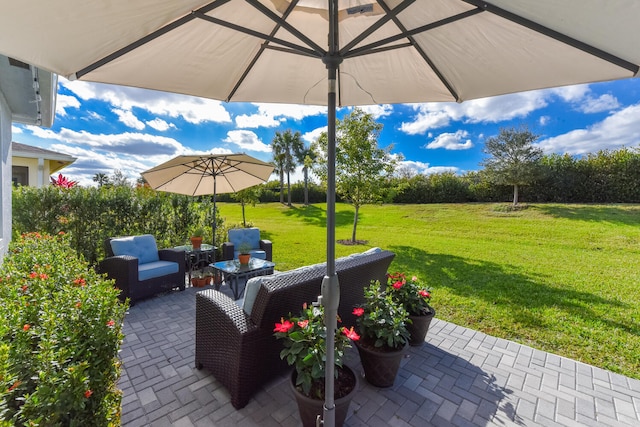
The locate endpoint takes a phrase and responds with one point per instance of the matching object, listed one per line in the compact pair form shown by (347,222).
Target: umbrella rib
(556,35)
(408,34)
(146,39)
(264,46)
(379,23)
(256,34)
(284,24)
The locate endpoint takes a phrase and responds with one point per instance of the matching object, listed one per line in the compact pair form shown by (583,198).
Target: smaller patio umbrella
(213,174)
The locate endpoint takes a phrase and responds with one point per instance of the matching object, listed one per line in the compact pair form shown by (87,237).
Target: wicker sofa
(239,348)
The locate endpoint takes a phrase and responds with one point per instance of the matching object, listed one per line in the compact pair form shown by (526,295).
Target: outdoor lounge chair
(260,248)
(140,269)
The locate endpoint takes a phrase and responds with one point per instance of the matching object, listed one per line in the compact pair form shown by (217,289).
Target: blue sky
(113,127)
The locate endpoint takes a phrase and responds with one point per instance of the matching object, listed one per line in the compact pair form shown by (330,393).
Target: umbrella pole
(213,226)
(330,286)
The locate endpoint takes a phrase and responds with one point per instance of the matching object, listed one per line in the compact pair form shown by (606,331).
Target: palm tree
(101,179)
(285,146)
(307,158)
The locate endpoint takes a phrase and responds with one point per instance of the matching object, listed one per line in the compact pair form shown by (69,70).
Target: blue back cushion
(242,235)
(142,247)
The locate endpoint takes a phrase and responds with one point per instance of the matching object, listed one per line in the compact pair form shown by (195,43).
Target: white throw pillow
(251,292)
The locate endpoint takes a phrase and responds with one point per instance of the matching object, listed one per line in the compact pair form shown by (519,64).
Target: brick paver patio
(459,377)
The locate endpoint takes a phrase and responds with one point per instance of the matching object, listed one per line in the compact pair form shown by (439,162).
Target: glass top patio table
(233,271)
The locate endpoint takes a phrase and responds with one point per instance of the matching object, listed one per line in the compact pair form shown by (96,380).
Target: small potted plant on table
(244,253)
(196,237)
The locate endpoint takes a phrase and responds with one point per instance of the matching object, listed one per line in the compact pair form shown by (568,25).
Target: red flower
(78,304)
(303,323)
(33,275)
(425,294)
(397,285)
(284,326)
(350,333)
(358,311)
(24,288)
(16,384)
(88,393)
(79,282)
(43,276)
(110,323)
(26,327)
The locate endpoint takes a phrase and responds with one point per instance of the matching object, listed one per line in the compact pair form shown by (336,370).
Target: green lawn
(560,278)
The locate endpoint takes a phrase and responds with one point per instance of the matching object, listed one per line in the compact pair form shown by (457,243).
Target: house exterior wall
(5,175)
(39,170)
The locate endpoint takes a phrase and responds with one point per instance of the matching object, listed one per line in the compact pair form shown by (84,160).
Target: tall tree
(514,160)
(285,147)
(248,196)
(101,178)
(361,167)
(306,157)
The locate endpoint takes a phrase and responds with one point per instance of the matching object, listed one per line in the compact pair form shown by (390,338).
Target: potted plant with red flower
(304,339)
(415,298)
(382,324)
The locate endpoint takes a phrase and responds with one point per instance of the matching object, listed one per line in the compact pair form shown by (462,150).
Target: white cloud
(451,141)
(313,135)
(247,140)
(160,125)
(191,109)
(272,115)
(621,128)
(129,143)
(600,104)
(543,120)
(128,119)
(423,168)
(435,115)
(65,101)
(16,129)
(378,111)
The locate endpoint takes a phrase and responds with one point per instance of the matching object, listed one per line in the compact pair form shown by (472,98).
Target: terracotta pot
(309,408)
(244,259)
(419,327)
(196,242)
(198,282)
(380,366)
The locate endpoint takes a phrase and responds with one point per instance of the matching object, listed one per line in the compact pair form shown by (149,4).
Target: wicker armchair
(240,349)
(140,275)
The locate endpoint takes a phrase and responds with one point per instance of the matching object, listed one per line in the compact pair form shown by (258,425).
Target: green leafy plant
(60,329)
(304,340)
(410,294)
(381,321)
(244,248)
(197,232)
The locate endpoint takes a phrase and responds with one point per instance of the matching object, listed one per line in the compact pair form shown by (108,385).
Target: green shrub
(61,328)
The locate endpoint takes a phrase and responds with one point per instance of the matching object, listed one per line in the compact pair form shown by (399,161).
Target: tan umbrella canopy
(328,52)
(199,175)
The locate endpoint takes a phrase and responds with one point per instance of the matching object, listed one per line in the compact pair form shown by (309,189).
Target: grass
(561,278)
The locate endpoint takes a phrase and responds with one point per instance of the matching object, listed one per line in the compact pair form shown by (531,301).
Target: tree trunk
(355,224)
(244,220)
(281,186)
(288,190)
(306,187)
(515,195)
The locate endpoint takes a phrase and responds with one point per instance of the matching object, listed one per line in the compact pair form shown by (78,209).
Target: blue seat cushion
(238,236)
(151,270)
(142,247)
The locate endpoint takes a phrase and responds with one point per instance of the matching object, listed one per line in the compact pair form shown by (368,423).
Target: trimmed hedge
(61,328)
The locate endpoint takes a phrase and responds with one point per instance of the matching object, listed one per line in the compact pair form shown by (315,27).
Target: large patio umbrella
(328,52)
(199,175)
